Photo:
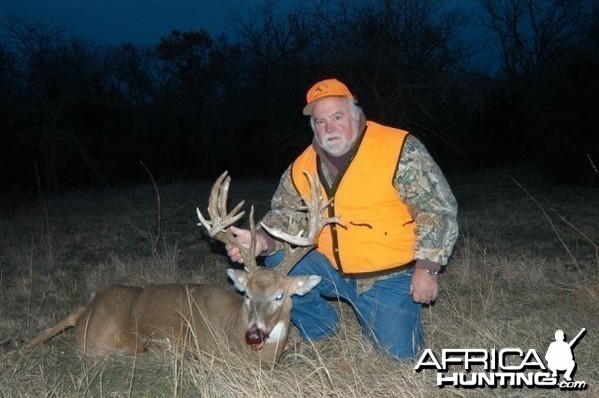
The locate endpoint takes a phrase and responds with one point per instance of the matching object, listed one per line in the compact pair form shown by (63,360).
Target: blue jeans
(387,314)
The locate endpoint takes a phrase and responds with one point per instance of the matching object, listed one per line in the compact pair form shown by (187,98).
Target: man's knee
(392,321)
(401,338)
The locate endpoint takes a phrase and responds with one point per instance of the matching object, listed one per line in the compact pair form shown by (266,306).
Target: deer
(213,320)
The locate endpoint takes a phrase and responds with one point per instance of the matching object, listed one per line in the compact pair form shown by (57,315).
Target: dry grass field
(526,264)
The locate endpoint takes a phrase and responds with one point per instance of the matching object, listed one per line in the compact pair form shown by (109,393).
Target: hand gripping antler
(304,242)
(220,220)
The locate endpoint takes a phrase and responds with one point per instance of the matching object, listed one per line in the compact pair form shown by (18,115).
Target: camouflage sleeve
(422,186)
(285,209)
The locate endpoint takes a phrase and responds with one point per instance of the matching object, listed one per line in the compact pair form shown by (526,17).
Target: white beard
(337,147)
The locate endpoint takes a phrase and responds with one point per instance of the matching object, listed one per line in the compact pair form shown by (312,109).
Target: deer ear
(239,278)
(303,284)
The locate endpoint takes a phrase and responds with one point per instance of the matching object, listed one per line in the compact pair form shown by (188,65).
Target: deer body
(205,318)
(128,319)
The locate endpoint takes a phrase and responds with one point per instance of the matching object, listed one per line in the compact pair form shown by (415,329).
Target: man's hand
(244,238)
(425,287)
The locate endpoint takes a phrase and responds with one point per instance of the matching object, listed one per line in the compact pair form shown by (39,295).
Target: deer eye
(279,297)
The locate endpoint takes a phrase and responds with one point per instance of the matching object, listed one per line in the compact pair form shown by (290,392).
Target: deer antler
(220,220)
(304,242)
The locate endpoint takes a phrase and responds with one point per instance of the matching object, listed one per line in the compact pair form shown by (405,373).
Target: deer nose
(255,337)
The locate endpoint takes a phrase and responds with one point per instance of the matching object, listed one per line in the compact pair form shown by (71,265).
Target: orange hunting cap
(325,88)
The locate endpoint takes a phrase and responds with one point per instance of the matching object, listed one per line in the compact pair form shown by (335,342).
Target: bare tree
(549,88)
(277,46)
(186,92)
(54,77)
(133,74)
(535,34)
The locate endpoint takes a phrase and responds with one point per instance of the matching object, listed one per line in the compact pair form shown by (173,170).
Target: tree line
(75,114)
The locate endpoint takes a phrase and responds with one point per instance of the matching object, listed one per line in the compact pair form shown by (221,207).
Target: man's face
(335,126)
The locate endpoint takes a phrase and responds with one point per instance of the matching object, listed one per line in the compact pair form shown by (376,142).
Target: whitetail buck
(205,318)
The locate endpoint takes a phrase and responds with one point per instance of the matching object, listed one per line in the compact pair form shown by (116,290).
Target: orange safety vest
(379,230)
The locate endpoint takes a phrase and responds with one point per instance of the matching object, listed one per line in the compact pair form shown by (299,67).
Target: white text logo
(507,367)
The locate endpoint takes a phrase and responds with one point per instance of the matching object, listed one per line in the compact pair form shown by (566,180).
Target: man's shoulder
(375,126)
(381,132)
(412,145)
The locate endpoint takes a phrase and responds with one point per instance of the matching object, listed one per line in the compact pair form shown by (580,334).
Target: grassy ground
(526,264)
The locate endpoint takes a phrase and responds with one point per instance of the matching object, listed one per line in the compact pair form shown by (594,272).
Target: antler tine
(223,195)
(303,244)
(249,258)
(220,220)
(215,194)
(217,208)
(317,206)
(316,222)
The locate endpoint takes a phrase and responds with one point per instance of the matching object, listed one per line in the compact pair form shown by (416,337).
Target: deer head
(267,291)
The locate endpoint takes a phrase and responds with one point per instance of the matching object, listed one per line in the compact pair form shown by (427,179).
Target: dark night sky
(144,22)
(135,21)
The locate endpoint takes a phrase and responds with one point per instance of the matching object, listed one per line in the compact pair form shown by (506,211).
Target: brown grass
(516,276)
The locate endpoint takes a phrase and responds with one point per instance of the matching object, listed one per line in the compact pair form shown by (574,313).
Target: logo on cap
(325,88)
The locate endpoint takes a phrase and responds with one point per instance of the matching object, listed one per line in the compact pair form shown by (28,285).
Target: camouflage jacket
(420,185)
